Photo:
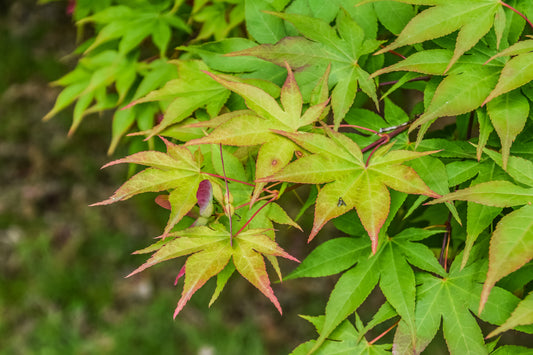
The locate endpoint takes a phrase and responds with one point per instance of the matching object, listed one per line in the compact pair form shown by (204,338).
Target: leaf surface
(321,47)
(511,247)
(356,185)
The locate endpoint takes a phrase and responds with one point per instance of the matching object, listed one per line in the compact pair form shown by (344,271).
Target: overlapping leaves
(350,182)
(320,46)
(211,249)
(255,126)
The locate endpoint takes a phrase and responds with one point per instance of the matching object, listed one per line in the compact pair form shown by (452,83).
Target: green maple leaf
(255,126)
(350,183)
(210,249)
(512,241)
(522,315)
(473,19)
(88,84)
(390,266)
(132,26)
(345,339)
(517,72)
(177,171)
(191,91)
(449,299)
(322,46)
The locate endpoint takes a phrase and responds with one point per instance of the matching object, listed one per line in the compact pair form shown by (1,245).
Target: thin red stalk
(385,138)
(227,194)
(446,253)
(443,258)
(517,12)
(373,151)
(230,179)
(255,214)
(383,334)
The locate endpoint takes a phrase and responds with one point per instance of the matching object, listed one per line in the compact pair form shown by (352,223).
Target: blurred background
(62,263)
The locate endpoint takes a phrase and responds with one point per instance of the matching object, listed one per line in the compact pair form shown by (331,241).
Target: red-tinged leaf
(182,199)
(522,315)
(517,48)
(333,200)
(148,180)
(493,193)
(162,200)
(474,19)
(517,72)
(351,183)
(291,98)
(181,153)
(243,130)
(251,266)
(432,61)
(520,169)
(150,158)
(256,99)
(200,267)
(402,178)
(508,114)
(182,246)
(272,157)
(278,215)
(314,169)
(317,143)
(459,93)
(511,247)
(372,202)
(253,239)
(323,47)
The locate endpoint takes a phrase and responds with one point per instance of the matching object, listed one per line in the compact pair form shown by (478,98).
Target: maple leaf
(350,183)
(321,47)
(210,248)
(132,25)
(390,267)
(190,91)
(517,72)
(254,126)
(512,241)
(473,19)
(176,170)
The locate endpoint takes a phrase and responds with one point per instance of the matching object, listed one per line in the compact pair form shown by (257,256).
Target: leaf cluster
(430,198)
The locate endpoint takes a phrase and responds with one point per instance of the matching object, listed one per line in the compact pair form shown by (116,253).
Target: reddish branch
(517,12)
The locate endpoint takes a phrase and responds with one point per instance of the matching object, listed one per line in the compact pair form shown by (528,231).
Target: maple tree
(262,97)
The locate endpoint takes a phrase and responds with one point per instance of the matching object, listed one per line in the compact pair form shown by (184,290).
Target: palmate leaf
(389,266)
(458,93)
(131,26)
(210,249)
(322,46)
(438,298)
(517,71)
(191,91)
(473,19)
(255,127)
(512,242)
(522,315)
(350,183)
(177,170)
